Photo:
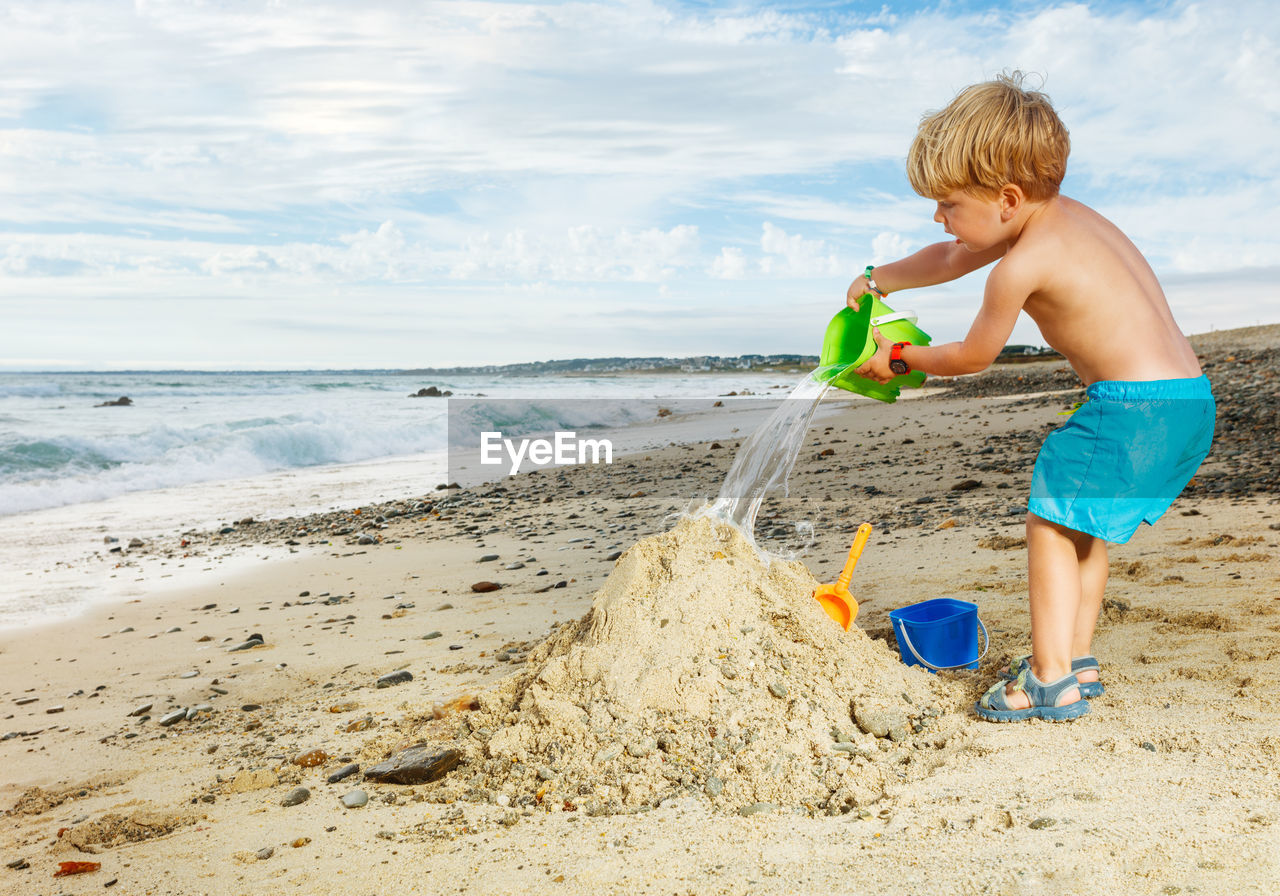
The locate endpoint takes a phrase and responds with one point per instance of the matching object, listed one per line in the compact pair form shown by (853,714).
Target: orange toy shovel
(836,599)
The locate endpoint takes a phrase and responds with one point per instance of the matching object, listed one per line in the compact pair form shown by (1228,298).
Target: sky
(383,184)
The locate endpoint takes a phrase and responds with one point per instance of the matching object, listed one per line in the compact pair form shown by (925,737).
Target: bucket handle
(986,644)
(894,316)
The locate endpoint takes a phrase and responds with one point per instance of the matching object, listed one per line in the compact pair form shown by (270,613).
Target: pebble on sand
(355,799)
(296,797)
(345,772)
(416,765)
(252,642)
(394,678)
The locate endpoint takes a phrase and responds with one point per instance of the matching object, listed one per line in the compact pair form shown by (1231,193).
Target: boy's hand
(877,366)
(857,290)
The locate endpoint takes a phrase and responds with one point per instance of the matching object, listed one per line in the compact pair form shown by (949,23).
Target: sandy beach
(165,736)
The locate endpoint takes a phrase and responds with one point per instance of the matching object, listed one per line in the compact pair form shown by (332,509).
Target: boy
(993,161)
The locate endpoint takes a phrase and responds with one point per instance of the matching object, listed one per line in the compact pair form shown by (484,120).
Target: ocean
(198,450)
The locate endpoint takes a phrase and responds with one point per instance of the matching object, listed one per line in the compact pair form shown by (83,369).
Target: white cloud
(794,256)
(730,264)
(890,247)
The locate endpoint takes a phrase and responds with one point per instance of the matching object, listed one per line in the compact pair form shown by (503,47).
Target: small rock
(300,842)
(416,765)
(608,754)
(173,718)
(252,642)
(1148,745)
(714,786)
(488,558)
(642,747)
(265,853)
(757,808)
(191,674)
(485,587)
(778,689)
(394,678)
(52,710)
(431,636)
(1042,823)
(345,772)
(355,799)
(311,758)
(141,710)
(879,722)
(296,797)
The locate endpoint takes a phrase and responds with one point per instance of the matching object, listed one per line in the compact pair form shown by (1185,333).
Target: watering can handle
(894,316)
(859,542)
(986,644)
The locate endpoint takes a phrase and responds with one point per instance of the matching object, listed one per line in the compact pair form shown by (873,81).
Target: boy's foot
(1086,669)
(1027,697)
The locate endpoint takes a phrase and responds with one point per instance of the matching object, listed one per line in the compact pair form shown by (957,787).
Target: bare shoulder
(1068,221)
(1062,230)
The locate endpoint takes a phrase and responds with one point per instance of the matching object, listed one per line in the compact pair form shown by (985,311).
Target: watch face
(897,365)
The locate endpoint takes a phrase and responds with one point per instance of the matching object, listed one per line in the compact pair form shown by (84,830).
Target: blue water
(58,449)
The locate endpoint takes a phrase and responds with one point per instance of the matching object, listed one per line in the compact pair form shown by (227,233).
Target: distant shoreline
(1256,335)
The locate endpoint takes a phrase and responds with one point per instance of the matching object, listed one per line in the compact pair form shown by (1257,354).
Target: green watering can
(848,343)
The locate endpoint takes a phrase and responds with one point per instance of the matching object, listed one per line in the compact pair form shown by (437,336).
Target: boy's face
(976,223)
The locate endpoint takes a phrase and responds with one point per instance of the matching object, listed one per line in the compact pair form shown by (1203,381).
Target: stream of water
(767,457)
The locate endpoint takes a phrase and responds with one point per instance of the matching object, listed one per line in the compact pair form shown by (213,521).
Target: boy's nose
(937,215)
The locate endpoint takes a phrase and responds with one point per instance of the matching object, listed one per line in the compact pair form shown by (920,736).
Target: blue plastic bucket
(939,634)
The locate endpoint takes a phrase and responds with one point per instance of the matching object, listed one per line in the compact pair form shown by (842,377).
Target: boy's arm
(930,266)
(1007,291)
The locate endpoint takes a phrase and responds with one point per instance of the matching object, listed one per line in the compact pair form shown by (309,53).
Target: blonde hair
(992,134)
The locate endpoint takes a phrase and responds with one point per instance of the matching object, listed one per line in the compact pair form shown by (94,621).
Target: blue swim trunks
(1124,456)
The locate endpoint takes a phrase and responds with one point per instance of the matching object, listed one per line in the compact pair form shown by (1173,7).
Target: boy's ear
(1011,199)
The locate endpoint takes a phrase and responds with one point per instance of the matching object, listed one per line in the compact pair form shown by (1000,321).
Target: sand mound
(702,669)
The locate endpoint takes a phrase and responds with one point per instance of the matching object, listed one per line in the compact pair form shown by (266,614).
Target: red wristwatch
(896,364)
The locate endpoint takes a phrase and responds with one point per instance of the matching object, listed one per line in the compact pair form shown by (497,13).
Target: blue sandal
(994,705)
(1088,689)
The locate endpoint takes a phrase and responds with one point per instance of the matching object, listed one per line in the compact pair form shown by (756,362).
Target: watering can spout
(849,342)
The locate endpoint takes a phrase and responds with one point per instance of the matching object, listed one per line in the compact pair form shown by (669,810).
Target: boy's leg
(1054,583)
(1091,554)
